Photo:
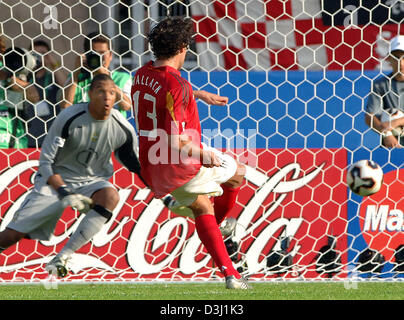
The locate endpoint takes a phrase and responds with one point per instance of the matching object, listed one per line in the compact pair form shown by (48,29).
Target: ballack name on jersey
(148,82)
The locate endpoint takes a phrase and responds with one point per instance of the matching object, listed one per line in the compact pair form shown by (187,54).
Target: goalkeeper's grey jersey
(79,147)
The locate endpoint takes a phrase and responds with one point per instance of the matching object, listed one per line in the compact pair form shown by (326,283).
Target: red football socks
(209,233)
(225,203)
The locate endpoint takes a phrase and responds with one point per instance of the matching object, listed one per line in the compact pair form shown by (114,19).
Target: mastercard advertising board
(377,221)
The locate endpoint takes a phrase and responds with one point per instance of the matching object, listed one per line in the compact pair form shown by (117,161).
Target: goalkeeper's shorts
(41,209)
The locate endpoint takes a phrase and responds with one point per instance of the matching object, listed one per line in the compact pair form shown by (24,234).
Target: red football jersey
(163,105)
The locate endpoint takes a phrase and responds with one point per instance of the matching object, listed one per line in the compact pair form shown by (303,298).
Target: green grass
(205,291)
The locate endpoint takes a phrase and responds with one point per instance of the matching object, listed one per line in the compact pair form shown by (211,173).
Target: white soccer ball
(390,115)
(365,177)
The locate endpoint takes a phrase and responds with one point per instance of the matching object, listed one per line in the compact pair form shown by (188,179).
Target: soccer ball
(390,115)
(365,177)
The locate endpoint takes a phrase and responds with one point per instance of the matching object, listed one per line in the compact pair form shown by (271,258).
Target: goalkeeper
(74,168)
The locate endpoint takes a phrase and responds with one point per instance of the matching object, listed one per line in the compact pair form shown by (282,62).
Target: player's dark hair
(95,37)
(98,78)
(41,43)
(170,35)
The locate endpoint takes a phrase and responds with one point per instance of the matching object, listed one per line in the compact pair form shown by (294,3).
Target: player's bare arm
(390,125)
(56,181)
(69,91)
(374,122)
(211,98)
(184,146)
(389,141)
(20,85)
(124,102)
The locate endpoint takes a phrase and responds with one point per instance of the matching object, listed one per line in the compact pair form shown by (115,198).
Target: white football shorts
(207,181)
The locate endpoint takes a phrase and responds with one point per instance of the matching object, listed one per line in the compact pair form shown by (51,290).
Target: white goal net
(298,75)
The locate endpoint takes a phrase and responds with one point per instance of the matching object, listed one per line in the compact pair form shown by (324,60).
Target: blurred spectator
(96,59)
(48,78)
(2,49)
(385,107)
(14,90)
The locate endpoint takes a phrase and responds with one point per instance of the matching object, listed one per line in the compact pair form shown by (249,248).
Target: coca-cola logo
(382,215)
(144,240)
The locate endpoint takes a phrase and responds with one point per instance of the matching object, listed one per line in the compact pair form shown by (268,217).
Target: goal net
(298,75)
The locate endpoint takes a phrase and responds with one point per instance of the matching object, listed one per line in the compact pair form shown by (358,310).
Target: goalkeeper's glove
(77,201)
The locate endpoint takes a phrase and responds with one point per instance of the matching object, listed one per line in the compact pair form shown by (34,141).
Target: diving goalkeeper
(74,168)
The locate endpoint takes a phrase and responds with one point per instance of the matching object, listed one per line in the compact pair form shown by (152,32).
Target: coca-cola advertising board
(295,193)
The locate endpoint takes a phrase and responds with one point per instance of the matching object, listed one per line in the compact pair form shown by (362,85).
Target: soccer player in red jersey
(173,160)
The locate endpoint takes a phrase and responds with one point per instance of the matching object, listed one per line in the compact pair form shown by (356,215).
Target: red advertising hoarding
(296,193)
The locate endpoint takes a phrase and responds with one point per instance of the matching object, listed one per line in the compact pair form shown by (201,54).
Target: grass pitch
(206,291)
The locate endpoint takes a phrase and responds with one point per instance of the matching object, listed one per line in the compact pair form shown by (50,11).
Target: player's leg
(32,219)
(210,236)
(195,196)
(8,237)
(230,177)
(208,232)
(105,200)
(224,203)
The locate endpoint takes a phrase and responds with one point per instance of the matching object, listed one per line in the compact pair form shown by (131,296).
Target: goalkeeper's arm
(67,196)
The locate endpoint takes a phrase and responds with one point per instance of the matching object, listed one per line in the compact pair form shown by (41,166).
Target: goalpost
(297,74)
